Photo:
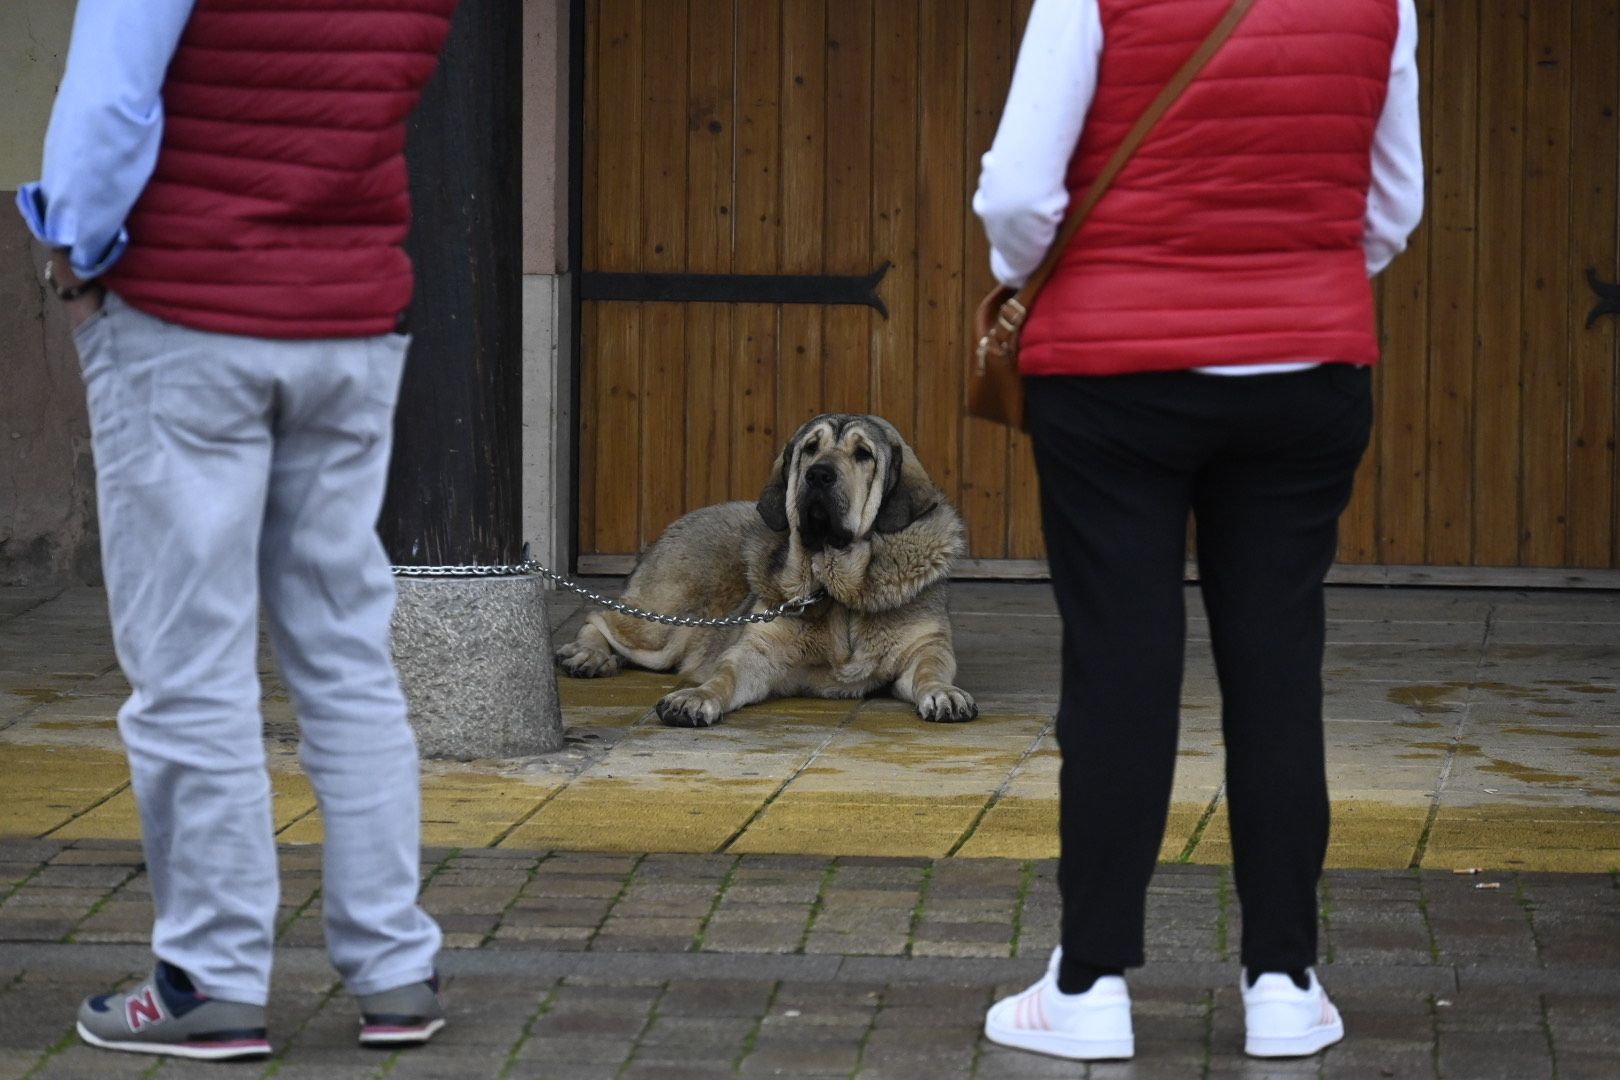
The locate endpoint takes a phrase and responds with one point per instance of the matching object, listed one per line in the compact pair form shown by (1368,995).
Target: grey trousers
(233,472)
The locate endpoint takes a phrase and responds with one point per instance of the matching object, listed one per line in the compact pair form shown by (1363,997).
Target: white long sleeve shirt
(1023,191)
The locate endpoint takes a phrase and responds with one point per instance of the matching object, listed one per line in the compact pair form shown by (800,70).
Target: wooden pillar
(454,489)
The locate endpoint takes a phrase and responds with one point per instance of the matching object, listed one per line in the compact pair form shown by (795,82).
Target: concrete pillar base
(474,656)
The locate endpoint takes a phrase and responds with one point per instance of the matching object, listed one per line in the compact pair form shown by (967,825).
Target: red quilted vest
(1234,234)
(278,205)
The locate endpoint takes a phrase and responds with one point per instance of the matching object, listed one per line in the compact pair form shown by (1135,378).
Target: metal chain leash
(794,606)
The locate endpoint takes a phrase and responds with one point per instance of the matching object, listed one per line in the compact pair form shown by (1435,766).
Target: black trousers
(1265,464)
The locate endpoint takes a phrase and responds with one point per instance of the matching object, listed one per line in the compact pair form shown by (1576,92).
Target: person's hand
(80,309)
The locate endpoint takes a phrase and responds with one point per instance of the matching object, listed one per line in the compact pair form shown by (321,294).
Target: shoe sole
(1055,1045)
(1313,1041)
(194,1051)
(400,1036)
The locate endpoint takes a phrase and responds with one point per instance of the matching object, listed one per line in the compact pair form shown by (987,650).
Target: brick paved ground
(575,966)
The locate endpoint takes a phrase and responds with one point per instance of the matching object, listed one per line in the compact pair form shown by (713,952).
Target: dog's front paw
(586,662)
(947,706)
(695,707)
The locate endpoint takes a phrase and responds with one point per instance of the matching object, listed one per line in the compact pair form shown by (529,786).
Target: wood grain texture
(757,241)
(1024,540)
(1453,58)
(454,485)
(661,377)
(1594,242)
(825,136)
(590,240)
(1545,454)
(895,108)
(847,230)
(936,419)
(800,361)
(985,456)
(616,493)
(710,145)
(1403,384)
(1498,356)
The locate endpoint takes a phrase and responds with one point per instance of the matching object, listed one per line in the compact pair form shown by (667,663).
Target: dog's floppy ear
(908,494)
(772,503)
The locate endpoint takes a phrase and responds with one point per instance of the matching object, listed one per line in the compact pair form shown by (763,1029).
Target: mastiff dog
(849,516)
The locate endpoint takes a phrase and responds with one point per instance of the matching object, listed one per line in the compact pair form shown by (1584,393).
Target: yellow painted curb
(119,819)
(833,823)
(881,782)
(48,786)
(610,815)
(1027,828)
(1504,836)
(458,810)
(1016,828)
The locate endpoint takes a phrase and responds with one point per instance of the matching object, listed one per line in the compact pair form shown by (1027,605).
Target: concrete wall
(47,484)
(33,45)
(548,421)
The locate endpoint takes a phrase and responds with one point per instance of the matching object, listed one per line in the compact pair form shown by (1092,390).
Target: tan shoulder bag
(995,391)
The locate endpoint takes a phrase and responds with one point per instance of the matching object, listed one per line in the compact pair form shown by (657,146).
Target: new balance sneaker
(1284,1021)
(1093,1026)
(407,1015)
(167,1015)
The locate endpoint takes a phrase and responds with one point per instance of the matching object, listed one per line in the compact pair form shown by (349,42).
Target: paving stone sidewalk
(1463,728)
(574,966)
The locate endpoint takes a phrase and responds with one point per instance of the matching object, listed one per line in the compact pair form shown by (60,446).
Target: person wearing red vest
(225,196)
(1203,346)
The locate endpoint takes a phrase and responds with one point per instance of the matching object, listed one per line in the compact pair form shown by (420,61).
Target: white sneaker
(1093,1026)
(1284,1021)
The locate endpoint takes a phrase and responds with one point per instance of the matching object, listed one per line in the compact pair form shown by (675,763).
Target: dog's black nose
(820,476)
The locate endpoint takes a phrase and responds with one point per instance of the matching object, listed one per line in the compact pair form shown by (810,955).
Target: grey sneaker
(166,1015)
(404,1016)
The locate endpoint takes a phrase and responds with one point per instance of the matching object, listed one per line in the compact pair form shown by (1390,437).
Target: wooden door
(821,139)
(1495,441)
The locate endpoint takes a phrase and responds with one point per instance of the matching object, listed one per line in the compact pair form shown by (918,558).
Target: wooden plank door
(1497,402)
(827,137)
(773,137)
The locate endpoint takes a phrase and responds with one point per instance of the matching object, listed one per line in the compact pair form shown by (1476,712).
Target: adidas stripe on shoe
(1093,1026)
(1281,1020)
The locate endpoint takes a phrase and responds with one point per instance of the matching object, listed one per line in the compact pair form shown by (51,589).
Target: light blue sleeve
(105,128)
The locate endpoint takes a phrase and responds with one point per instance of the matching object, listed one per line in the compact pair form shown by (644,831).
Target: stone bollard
(474,656)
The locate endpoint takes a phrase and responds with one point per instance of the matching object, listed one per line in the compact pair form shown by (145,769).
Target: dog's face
(841,478)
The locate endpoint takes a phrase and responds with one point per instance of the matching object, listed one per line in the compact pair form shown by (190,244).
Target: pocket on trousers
(118,397)
(385,368)
(211,415)
(87,334)
(1354,381)
(1352,395)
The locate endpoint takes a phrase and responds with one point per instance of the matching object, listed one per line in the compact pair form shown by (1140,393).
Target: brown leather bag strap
(1127,147)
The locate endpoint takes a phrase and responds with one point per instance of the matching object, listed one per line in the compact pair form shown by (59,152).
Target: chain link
(795,606)
(465,570)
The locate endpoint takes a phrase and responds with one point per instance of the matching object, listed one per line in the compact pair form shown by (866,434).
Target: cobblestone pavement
(578,966)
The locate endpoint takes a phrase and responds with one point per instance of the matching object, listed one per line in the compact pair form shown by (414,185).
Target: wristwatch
(64,292)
